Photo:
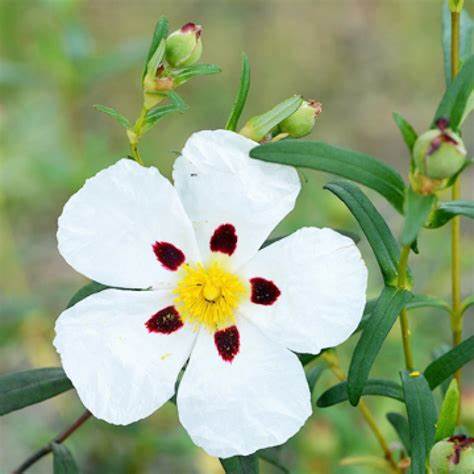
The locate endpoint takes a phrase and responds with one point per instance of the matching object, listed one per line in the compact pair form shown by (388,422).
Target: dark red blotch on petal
(227,342)
(264,291)
(224,239)
(165,321)
(168,255)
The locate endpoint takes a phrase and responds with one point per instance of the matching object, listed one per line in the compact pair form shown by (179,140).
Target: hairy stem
(456,316)
(404,325)
(333,361)
(48,447)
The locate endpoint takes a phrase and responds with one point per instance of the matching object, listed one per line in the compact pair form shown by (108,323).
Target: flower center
(208,295)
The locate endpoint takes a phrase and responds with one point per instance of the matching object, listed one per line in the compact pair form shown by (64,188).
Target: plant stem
(456,317)
(402,283)
(135,134)
(48,447)
(333,361)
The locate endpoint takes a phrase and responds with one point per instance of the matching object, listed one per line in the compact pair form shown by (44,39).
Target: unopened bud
(184,46)
(439,153)
(454,455)
(303,120)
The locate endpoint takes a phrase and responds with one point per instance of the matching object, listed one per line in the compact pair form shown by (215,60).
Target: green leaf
(177,100)
(241,97)
(421,411)
(338,393)
(273,457)
(240,464)
(185,74)
(456,100)
(465,40)
(156,114)
(85,291)
(400,425)
(352,165)
(160,33)
(63,462)
(448,414)
(447,210)
(383,243)
(21,389)
(260,125)
(446,365)
(408,132)
(467,303)
(417,209)
(111,112)
(313,374)
(384,315)
(425,301)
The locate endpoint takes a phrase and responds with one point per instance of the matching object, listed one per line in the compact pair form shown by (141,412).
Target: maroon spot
(224,239)
(461,442)
(442,123)
(168,255)
(264,291)
(166,321)
(227,342)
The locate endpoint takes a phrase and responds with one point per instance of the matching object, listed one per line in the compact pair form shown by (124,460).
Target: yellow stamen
(208,295)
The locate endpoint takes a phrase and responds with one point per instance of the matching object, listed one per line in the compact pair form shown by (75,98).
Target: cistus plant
(190,302)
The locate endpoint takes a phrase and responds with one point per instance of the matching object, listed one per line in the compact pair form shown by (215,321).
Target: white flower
(236,312)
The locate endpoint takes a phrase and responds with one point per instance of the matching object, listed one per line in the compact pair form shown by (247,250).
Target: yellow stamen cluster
(208,295)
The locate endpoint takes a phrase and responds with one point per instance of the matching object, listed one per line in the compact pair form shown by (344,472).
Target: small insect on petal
(227,342)
(168,255)
(165,321)
(224,239)
(264,291)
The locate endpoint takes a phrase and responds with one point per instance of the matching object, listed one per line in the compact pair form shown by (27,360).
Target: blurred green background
(362,59)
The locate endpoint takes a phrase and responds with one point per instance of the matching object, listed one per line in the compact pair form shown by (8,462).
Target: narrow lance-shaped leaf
(447,210)
(158,113)
(426,301)
(338,393)
(446,365)
(21,389)
(448,413)
(185,74)
(467,303)
(111,112)
(241,464)
(384,315)
(273,457)
(160,33)
(349,164)
(421,411)
(417,209)
(63,462)
(408,132)
(381,239)
(85,291)
(400,425)
(465,40)
(456,100)
(241,97)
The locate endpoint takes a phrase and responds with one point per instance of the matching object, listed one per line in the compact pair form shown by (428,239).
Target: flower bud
(184,46)
(300,123)
(439,153)
(454,455)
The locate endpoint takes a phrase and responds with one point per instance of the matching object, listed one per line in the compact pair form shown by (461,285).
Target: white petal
(121,371)
(219,184)
(107,229)
(322,279)
(260,399)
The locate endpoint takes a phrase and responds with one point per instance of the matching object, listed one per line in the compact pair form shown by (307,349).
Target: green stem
(402,283)
(135,134)
(456,315)
(332,360)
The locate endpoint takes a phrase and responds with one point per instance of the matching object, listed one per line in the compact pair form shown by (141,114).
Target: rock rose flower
(194,290)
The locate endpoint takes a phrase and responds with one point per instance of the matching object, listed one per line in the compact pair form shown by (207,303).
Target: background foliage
(57,58)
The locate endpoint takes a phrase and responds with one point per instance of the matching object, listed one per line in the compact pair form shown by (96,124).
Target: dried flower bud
(439,153)
(454,455)
(303,120)
(184,46)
